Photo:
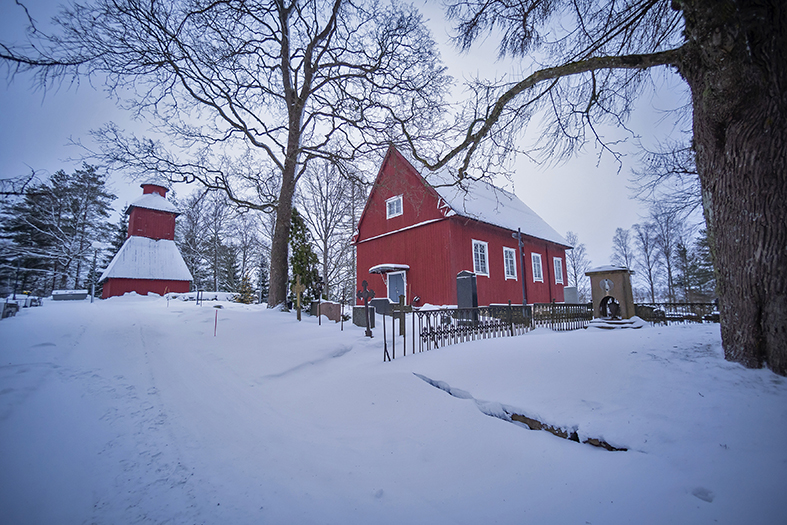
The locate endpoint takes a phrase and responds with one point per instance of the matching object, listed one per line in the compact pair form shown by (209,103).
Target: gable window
(509,262)
(393,207)
(479,258)
(538,273)
(558,270)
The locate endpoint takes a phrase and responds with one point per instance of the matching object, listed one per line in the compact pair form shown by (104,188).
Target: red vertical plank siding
(114,287)
(436,247)
(153,224)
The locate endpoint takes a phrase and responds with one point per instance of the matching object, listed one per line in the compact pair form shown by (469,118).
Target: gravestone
(570,295)
(466,290)
(382,305)
(359,316)
(329,309)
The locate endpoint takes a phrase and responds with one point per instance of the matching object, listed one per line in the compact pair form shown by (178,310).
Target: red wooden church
(414,238)
(149,260)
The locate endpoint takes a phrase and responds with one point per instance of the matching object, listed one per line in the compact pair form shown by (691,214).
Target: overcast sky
(585,195)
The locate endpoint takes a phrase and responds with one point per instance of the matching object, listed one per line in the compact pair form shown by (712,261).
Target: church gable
(399,199)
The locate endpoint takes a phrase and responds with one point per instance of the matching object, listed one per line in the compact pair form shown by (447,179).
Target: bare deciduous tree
(622,252)
(669,229)
(593,57)
(327,200)
(668,176)
(577,263)
(249,92)
(648,259)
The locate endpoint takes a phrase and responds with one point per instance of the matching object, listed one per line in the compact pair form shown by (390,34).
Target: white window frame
(485,247)
(398,205)
(557,263)
(538,276)
(508,274)
(388,287)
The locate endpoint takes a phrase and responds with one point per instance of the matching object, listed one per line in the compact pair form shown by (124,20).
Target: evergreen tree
(246,293)
(119,237)
(706,278)
(303,260)
(51,230)
(229,272)
(263,278)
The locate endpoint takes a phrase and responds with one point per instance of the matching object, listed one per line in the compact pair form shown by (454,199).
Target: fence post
(386,357)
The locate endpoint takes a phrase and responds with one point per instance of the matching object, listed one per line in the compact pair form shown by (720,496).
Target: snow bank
(130,410)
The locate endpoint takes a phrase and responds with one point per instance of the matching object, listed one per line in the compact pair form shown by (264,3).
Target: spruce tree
(246,293)
(263,278)
(51,230)
(119,236)
(303,260)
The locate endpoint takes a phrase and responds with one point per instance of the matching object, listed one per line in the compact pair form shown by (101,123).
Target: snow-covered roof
(144,258)
(487,203)
(608,268)
(388,267)
(153,201)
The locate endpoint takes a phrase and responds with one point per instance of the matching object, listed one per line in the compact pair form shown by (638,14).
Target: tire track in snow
(149,482)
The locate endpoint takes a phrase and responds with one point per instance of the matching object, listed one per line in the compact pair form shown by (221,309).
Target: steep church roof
(144,258)
(153,201)
(487,203)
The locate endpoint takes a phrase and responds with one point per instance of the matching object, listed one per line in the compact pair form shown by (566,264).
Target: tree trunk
(735,66)
(279,276)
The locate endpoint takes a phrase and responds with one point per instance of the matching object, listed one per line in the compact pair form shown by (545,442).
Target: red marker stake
(216,323)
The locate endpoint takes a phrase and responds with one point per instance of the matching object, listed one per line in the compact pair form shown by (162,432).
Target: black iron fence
(448,326)
(558,316)
(663,313)
(438,328)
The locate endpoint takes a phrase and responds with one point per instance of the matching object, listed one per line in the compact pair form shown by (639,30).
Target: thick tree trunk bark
(279,276)
(735,66)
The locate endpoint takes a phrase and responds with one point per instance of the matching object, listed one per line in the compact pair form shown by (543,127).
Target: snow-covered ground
(129,410)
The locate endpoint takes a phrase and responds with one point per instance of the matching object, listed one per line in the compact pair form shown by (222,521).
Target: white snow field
(129,410)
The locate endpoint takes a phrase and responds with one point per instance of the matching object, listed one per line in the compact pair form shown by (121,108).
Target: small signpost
(298,288)
(364,295)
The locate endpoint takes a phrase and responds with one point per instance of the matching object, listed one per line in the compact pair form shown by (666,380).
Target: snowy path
(130,411)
